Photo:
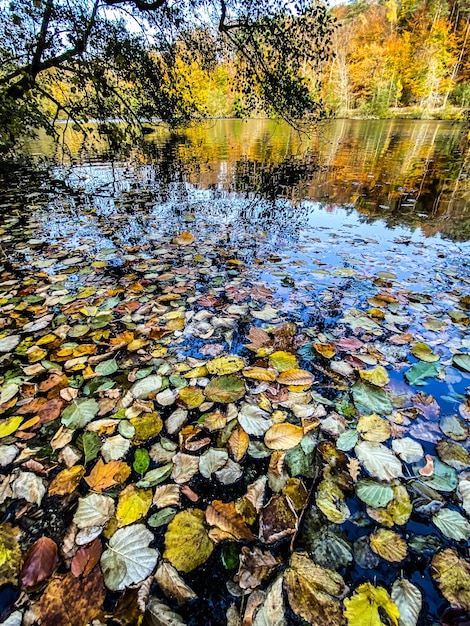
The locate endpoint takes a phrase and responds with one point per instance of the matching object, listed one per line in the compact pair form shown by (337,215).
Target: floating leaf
(79,413)
(94,510)
(423,352)
(389,545)
(225,365)
(254,420)
(283,361)
(378,460)
(443,478)
(362,609)
(191,397)
(8,344)
(226,518)
(373,493)
(187,543)
(408,600)
(91,443)
(418,373)
(141,460)
(452,575)
(462,361)
(373,428)
(184,239)
(453,454)
(147,426)
(39,562)
(278,519)
(211,461)
(347,440)
(128,559)
(283,436)
(377,376)
(144,387)
(372,398)
(158,614)
(105,475)
(272,612)
(326,350)
(66,481)
(225,389)
(331,502)
(10,425)
(172,585)
(397,512)
(238,443)
(254,566)
(133,504)
(314,592)
(260,373)
(106,368)
(10,554)
(452,524)
(296,377)
(408,449)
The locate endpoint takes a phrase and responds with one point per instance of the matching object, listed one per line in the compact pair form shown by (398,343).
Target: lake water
(354,240)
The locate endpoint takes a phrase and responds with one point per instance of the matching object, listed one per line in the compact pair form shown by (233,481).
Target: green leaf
(225,389)
(373,399)
(141,461)
(106,368)
(91,445)
(373,493)
(452,524)
(462,361)
(444,477)
(162,517)
(418,373)
(347,440)
(79,413)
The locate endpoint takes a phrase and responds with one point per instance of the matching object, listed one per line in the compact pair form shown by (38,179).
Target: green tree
(124,58)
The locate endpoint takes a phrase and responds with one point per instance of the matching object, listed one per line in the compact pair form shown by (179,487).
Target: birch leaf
(94,510)
(378,460)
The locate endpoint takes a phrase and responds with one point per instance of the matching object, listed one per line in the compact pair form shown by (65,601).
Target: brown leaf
(428,469)
(86,558)
(39,562)
(50,410)
(225,516)
(278,519)
(56,381)
(258,337)
(71,601)
(254,567)
(426,405)
(296,377)
(105,475)
(172,585)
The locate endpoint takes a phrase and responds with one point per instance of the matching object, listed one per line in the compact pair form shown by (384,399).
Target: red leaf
(39,563)
(86,558)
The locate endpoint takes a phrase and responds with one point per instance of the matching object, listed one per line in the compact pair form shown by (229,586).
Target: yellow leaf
(452,575)
(377,376)
(146,426)
(89,311)
(238,443)
(196,372)
(283,361)
(260,373)
(326,350)
(191,397)
(66,481)
(184,239)
(373,428)
(297,377)
(389,545)
(10,554)
(283,436)
(225,365)
(133,504)
(10,425)
(363,608)
(187,543)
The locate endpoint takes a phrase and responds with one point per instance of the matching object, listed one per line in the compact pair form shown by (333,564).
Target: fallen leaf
(226,518)
(187,543)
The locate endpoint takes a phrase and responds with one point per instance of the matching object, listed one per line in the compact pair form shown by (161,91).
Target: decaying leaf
(172,585)
(39,562)
(314,593)
(452,575)
(226,518)
(10,554)
(254,566)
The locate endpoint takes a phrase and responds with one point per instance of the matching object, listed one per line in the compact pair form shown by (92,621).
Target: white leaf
(143,388)
(176,420)
(230,473)
(30,487)
(158,614)
(409,601)
(94,510)
(266,314)
(464,488)
(8,454)
(408,449)
(378,460)
(452,524)
(254,420)
(115,448)
(128,559)
(211,461)
(7,344)
(271,612)
(8,392)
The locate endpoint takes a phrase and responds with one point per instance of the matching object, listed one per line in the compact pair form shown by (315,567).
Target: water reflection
(413,173)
